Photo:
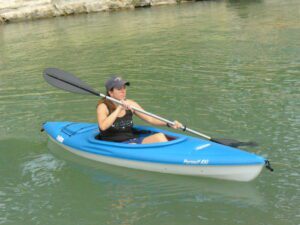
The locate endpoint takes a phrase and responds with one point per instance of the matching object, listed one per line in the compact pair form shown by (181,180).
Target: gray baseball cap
(115,82)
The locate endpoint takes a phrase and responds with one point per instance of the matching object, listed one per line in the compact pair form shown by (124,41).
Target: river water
(224,68)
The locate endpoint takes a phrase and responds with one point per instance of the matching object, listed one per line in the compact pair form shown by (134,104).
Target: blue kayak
(182,154)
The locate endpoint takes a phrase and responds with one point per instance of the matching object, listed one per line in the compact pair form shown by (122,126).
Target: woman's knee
(161,137)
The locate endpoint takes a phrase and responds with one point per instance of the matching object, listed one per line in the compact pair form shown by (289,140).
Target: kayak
(181,154)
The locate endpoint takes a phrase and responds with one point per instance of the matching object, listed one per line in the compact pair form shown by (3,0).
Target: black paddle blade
(66,81)
(234,143)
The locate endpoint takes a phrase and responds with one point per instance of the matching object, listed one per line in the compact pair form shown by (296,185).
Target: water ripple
(41,170)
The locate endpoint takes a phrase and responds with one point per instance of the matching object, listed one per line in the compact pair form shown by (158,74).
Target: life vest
(121,130)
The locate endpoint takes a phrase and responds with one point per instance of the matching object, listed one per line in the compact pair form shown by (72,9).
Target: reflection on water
(140,184)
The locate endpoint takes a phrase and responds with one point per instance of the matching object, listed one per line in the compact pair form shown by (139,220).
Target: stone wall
(16,10)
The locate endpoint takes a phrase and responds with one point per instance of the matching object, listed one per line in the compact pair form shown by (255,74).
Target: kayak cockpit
(142,131)
(139,133)
(91,131)
(172,141)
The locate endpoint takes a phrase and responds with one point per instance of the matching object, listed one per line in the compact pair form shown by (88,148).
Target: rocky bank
(17,10)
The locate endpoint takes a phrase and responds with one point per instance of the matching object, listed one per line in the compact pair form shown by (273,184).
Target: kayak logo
(60,139)
(196,162)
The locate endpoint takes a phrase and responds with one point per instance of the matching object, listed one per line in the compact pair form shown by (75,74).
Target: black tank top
(121,130)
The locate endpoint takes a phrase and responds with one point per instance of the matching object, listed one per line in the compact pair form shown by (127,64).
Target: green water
(225,68)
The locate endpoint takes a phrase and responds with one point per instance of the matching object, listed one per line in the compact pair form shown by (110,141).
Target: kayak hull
(199,165)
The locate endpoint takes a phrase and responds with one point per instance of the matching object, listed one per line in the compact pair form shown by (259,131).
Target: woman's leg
(159,137)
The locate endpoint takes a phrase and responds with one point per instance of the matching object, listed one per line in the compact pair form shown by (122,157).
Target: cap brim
(122,84)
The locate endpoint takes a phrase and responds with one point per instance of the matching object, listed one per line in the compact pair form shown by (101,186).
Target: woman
(115,121)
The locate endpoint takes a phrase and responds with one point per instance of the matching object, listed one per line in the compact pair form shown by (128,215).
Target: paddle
(66,81)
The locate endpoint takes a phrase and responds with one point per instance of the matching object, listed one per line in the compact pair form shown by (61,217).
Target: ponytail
(109,104)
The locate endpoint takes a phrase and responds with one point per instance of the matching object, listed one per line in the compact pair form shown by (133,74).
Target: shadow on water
(242,6)
(141,183)
(243,2)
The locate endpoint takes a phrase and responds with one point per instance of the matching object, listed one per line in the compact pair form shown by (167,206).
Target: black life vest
(121,130)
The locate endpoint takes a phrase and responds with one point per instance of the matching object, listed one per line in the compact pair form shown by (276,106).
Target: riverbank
(20,10)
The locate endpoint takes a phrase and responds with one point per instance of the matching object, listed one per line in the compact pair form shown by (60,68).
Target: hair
(111,106)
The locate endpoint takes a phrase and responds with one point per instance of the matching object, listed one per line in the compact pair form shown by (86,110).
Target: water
(225,68)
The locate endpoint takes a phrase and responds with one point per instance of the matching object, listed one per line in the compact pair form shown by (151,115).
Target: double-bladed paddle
(66,81)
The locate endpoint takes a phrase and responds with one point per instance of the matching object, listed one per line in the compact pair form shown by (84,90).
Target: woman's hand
(125,105)
(176,125)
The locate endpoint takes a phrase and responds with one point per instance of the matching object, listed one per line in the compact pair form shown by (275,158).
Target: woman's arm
(145,117)
(104,120)
(150,119)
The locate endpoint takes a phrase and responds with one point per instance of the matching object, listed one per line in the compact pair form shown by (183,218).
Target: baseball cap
(115,82)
